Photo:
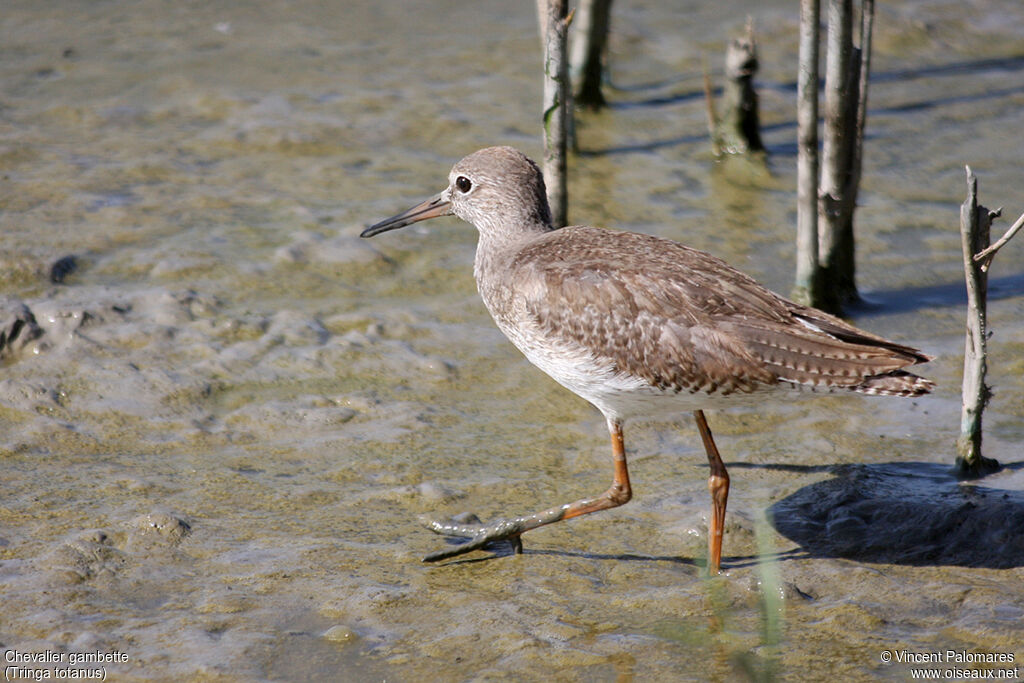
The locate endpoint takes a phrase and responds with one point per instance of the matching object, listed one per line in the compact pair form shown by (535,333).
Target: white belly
(617,395)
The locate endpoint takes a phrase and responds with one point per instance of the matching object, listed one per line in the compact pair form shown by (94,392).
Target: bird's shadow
(500,549)
(916,514)
(908,513)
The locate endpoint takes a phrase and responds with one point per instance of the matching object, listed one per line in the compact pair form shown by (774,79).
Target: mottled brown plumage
(641,326)
(684,320)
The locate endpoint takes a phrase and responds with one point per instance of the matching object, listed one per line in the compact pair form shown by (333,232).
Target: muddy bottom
(222,413)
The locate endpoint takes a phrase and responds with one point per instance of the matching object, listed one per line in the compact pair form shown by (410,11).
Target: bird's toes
(463,524)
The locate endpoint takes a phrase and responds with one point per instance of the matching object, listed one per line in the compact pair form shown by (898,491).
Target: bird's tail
(895,383)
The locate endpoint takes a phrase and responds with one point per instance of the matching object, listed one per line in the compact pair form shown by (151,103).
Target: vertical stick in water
(808,279)
(836,148)
(592,19)
(867,22)
(738,130)
(556,112)
(975,226)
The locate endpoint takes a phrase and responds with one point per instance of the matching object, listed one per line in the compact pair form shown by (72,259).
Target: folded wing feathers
(806,356)
(687,320)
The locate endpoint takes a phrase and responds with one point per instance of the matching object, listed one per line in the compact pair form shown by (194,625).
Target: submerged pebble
(162,524)
(18,327)
(62,268)
(340,634)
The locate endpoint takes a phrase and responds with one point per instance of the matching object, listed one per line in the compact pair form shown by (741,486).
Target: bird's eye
(464,184)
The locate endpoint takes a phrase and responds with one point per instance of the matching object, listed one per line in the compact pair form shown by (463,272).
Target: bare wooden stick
(542,23)
(985,256)
(834,152)
(808,286)
(867,22)
(975,224)
(738,129)
(556,110)
(844,261)
(835,243)
(586,58)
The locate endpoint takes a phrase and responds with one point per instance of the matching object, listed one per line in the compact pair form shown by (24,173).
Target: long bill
(438,205)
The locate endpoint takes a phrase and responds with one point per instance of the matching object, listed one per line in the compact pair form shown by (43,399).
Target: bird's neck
(501,238)
(494,253)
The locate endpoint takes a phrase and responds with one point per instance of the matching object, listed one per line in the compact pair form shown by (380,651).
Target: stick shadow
(995,67)
(953,294)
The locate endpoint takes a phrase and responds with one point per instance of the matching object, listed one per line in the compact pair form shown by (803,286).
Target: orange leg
(718,484)
(480,535)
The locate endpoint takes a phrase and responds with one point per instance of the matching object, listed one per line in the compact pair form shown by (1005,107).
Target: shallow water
(214,455)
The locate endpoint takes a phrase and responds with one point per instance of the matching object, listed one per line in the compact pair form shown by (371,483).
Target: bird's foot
(469,526)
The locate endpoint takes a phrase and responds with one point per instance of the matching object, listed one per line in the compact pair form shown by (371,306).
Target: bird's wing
(684,320)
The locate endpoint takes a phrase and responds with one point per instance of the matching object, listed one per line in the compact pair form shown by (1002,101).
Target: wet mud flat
(208,532)
(221,413)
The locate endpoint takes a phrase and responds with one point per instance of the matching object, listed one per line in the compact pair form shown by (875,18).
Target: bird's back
(673,319)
